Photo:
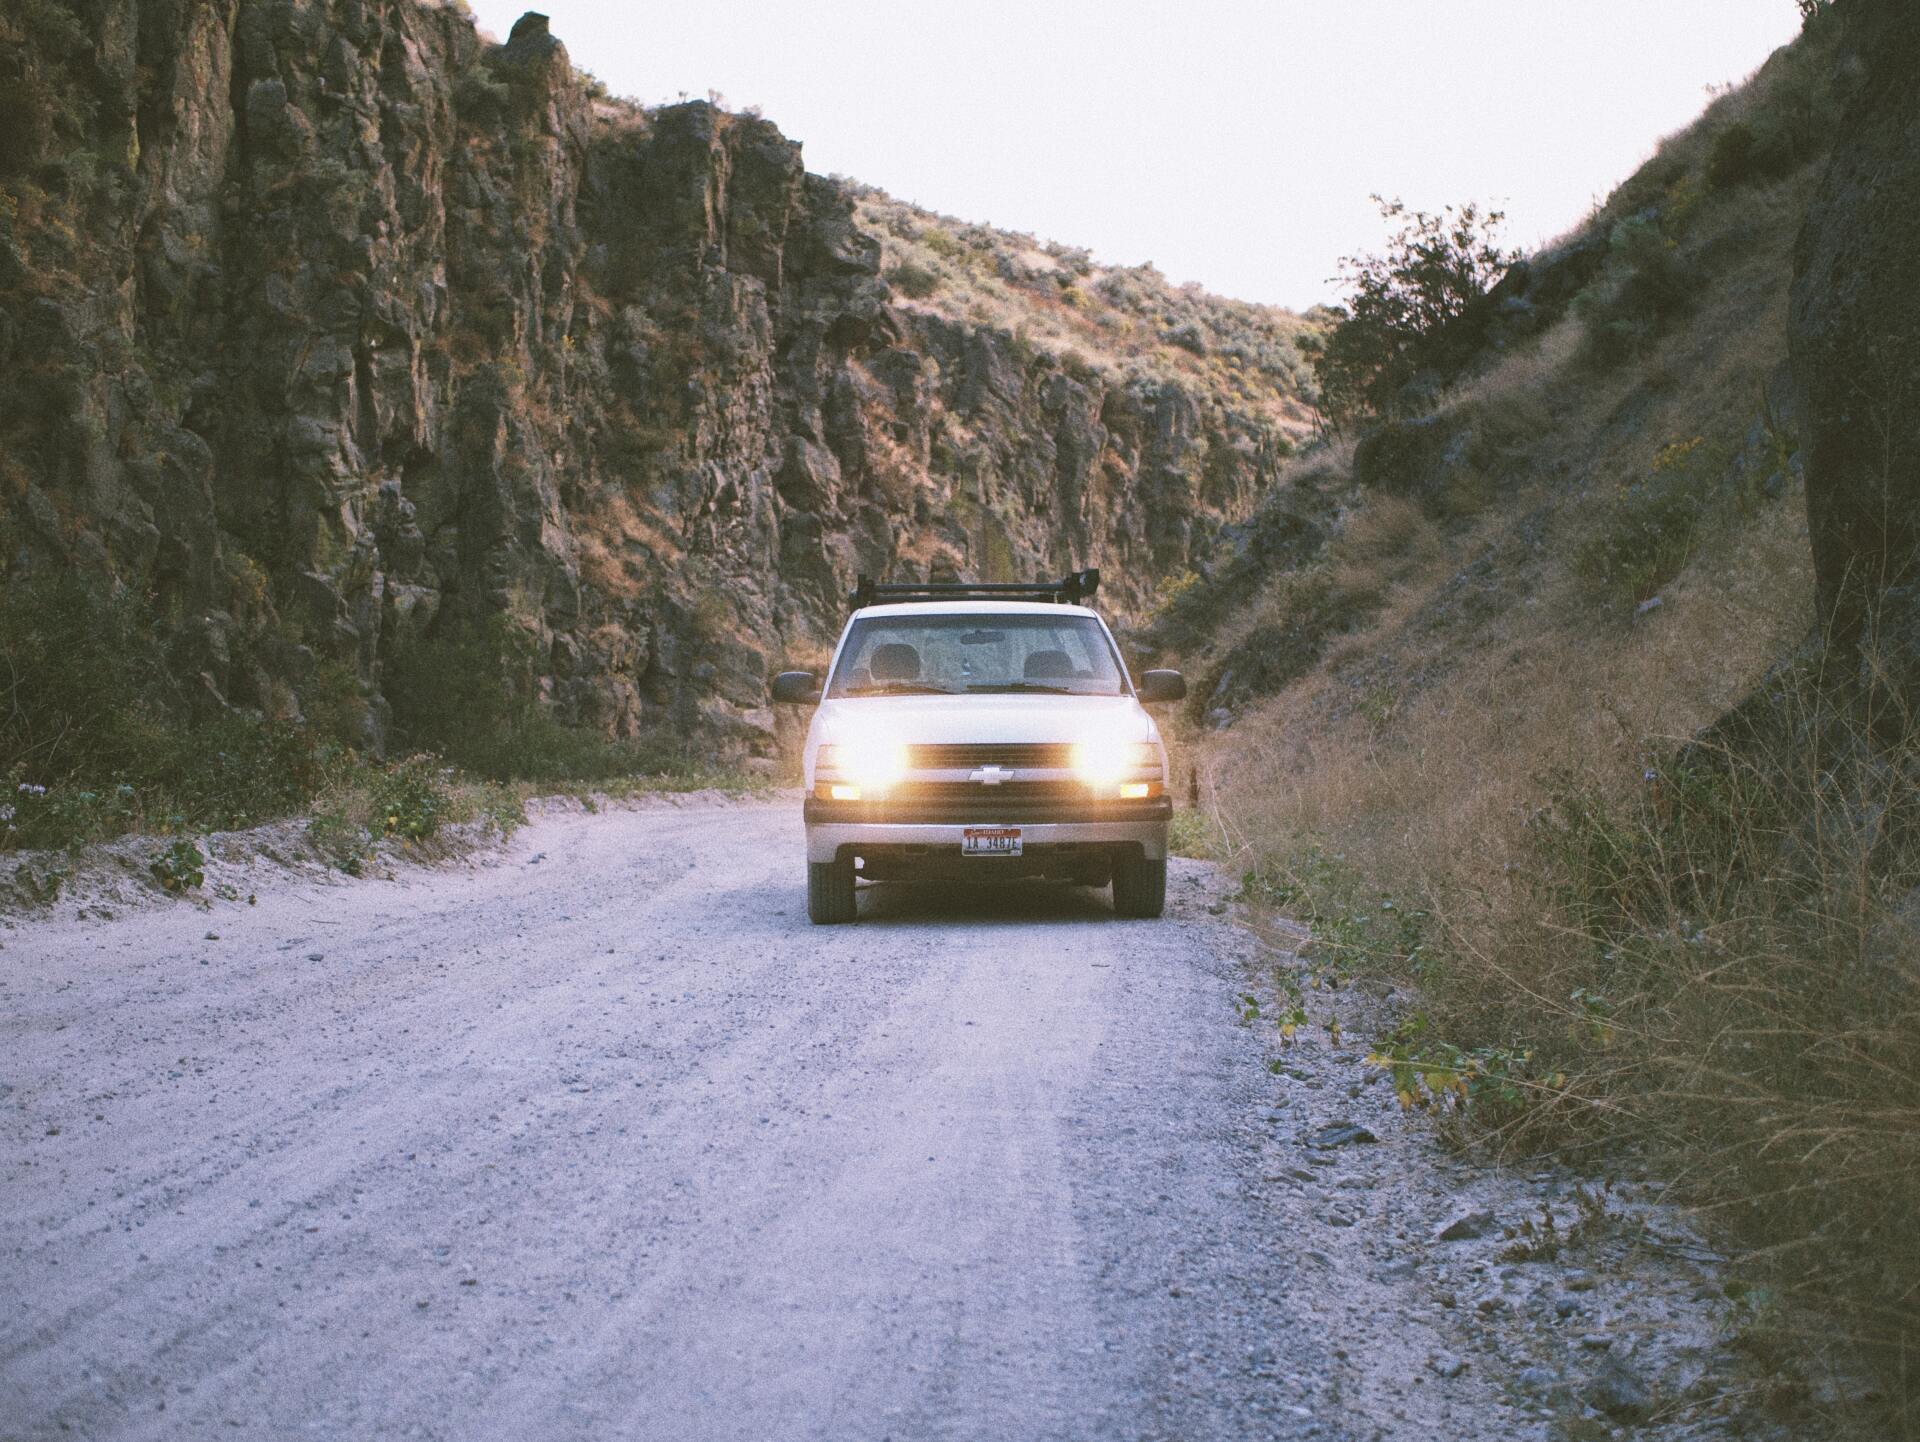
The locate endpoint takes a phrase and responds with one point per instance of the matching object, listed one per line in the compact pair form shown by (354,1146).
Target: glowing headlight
(870,765)
(1106,761)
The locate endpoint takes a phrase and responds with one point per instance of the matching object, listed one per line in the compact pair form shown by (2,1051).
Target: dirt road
(596,1137)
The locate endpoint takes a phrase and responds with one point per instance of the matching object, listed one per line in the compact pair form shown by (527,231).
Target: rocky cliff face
(344,334)
(1856,353)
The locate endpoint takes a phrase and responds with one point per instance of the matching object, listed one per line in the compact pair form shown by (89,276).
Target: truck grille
(967,756)
(917,794)
(1012,802)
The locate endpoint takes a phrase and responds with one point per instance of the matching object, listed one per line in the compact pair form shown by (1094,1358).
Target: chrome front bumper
(826,839)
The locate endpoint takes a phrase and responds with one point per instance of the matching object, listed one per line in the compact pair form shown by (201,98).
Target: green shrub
(1188,337)
(1192,833)
(1404,307)
(229,773)
(1356,930)
(237,771)
(1496,1084)
(479,96)
(49,817)
(504,809)
(1652,528)
(539,748)
(343,841)
(411,798)
(180,867)
(943,242)
(87,690)
(913,280)
(42,887)
(97,738)
(1298,618)
(1731,161)
(1171,589)
(336,705)
(1645,286)
(1742,153)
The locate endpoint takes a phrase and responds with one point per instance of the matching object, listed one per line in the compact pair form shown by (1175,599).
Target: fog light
(1135,790)
(843,793)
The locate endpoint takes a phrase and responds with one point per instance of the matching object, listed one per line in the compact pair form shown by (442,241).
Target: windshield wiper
(900,688)
(1028,686)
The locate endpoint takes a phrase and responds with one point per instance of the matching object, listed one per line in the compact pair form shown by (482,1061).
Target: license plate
(990,841)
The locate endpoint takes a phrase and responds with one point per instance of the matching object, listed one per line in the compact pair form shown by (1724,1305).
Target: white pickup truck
(981,731)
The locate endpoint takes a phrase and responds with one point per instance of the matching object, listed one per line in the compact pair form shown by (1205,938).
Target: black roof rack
(1068,590)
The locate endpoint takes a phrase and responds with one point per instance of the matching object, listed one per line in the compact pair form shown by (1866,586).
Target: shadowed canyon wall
(341,335)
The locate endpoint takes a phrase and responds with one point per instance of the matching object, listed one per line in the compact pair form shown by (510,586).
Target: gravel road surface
(594,1136)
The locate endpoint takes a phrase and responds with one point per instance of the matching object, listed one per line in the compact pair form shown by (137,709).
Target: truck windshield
(971,654)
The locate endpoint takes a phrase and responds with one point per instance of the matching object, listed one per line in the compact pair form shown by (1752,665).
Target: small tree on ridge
(1401,302)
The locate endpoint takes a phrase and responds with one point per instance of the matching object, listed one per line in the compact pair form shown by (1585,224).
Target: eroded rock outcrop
(1856,355)
(344,334)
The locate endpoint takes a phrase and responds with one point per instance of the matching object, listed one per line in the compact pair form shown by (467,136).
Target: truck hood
(951,720)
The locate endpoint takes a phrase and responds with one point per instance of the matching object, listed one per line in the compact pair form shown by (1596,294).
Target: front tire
(830,892)
(1139,887)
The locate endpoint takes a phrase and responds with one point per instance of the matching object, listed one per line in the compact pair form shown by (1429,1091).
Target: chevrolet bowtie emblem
(991,775)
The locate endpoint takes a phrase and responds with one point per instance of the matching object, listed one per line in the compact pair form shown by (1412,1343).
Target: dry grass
(1381,545)
(1427,738)
(1699,948)
(1715,958)
(1449,783)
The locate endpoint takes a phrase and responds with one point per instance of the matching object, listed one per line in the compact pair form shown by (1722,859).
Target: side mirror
(1162,686)
(795,688)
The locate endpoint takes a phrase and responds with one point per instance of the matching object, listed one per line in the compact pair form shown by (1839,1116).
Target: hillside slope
(388,368)
(1594,538)
(1531,704)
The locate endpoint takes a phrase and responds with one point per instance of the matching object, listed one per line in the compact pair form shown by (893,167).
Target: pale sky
(1231,142)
